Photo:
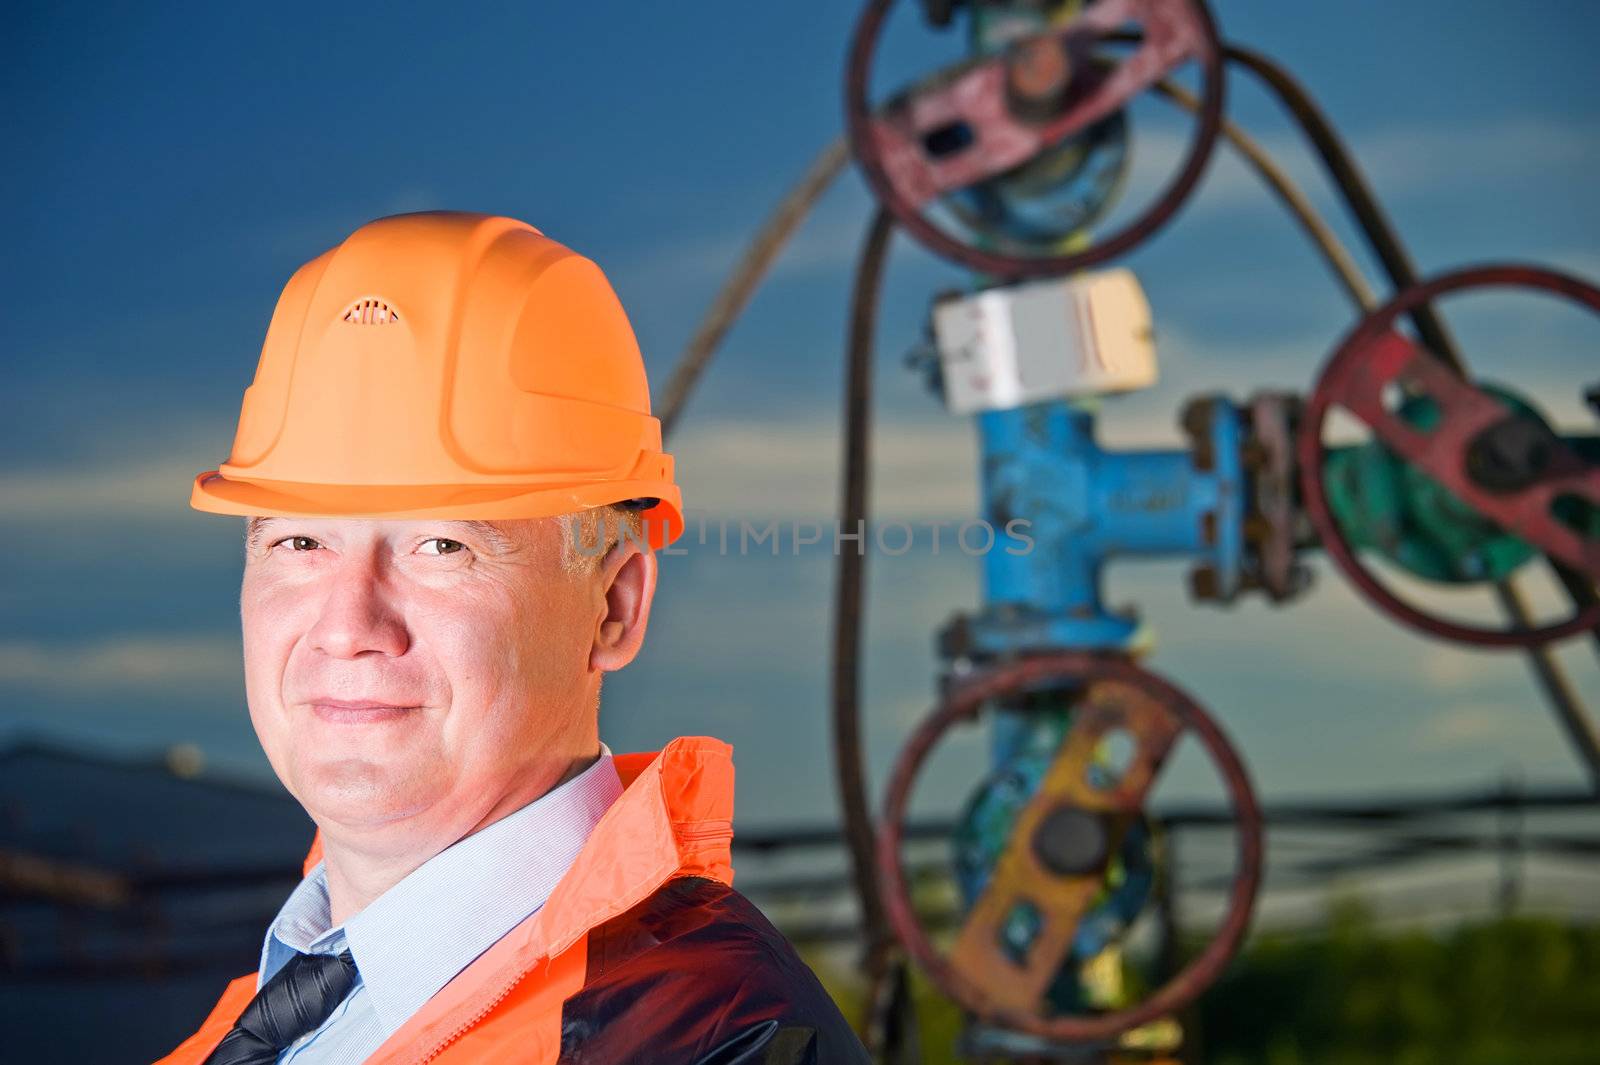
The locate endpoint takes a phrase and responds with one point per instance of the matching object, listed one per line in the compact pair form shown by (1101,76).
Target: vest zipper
(717,828)
(475,1018)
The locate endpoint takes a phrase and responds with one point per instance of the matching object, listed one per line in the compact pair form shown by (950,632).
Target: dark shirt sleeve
(696,975)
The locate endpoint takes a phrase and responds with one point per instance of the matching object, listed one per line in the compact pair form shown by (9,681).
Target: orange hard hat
(447,365)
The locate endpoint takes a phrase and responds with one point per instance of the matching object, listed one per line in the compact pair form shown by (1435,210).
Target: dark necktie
(298,998)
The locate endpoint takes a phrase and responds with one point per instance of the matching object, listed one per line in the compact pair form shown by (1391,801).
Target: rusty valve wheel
(1500,464)
(1055,859)
(980,120)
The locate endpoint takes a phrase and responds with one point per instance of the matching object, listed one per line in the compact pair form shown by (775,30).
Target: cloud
(1422,158)
(122,664)
(154,487)
(1584,262)
(730,469)
(789,470)
(825,245)
(310,231)
(1469,725)
(1446,668)
(1397,160)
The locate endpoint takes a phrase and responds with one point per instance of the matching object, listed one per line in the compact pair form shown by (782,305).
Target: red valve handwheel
(1118,695)
(1372,357)
(906,173)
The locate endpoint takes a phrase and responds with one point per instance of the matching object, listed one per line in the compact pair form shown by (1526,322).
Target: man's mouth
(357,711)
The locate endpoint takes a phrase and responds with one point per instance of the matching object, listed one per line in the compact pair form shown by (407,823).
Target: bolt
(1070,841)
(1300,578)
(1196,417)
(1511,454)
(955,639)
(1205,583)
(1038,77)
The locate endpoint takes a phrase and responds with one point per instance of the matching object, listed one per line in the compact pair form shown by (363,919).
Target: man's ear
(627,587)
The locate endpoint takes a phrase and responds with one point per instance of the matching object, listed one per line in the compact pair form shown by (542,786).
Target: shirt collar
(414,938)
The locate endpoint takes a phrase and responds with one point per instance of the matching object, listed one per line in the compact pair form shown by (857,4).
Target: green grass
(1520,991)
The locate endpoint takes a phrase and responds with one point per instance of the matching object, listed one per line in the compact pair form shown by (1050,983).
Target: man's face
(409,673)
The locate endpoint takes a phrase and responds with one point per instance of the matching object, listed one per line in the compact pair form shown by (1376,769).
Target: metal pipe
(848,603)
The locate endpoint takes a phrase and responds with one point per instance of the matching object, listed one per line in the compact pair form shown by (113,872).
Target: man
(426,625)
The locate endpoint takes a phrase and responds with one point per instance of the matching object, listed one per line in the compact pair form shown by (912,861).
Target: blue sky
(171,165)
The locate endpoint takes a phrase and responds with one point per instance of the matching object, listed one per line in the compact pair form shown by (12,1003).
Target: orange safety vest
(641,932)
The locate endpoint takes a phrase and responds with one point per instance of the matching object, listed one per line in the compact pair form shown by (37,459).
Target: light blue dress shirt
(414,938)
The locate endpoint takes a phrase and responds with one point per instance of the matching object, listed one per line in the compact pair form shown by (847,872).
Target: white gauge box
(1084,335)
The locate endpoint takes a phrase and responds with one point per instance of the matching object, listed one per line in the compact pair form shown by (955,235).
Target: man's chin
(358,795)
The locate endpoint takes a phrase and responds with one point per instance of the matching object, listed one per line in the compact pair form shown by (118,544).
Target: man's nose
(359,614)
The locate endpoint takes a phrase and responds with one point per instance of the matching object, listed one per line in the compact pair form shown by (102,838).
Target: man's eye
(299,543)
(446,547)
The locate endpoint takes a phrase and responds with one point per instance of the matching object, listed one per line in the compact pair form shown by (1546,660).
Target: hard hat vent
(371,311)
